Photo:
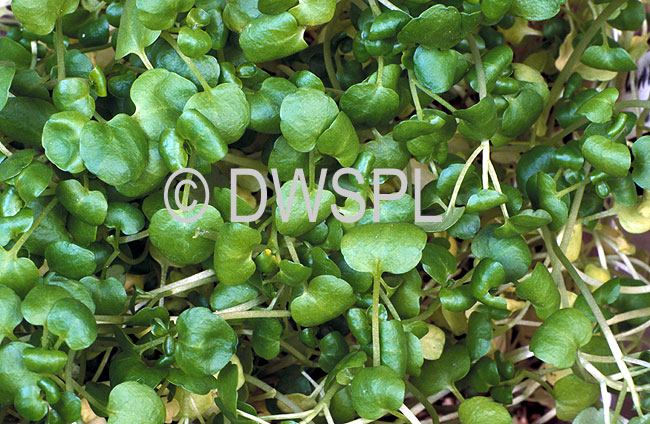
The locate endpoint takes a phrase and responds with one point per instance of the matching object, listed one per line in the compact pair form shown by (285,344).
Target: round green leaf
(375,391)
(73,322)
(512,252)
(115,151)
(176,240)
(607,155)
(89,206)
(232,253)
(134,403)
(378,247)
(482,410)
(325,298)
(61,135)
(305,115)
(70,260)
(560,336)
(10,314)
(205,342)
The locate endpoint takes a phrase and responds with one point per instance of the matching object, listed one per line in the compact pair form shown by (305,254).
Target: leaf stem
(461,176)
(414,95)
(189,62)
(16,247)
(598,314)
(60,50)
(436,97)
(376,348)
(423,400)
(478,63)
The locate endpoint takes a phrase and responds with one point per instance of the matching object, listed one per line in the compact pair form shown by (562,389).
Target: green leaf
(13,226)
(33,180)
(133,36)
(512,252)
(369,104)
(232,253)
(205,342)
(541,291)
(522,112)
(439,26)
(340,140)
(89,206)
(313,12)
(559,337)
(478,122)
(299,221)
(536,10)
(70,260)
(482,410)
(572,394)
(375,391)
(325,298)
(484,200)
(379,247)
(39,16)
(607,155)
(542,191)
(641,164)
(61,136)
(134,403)
(524,222)
(73,322)
(115,151)
(266,337)
(39,301)
(226,108)
(159,97)
(10,314)
(610,59)
(599,107)
(305,115)
(109,294)
(15,125)
(73,95)
(436,69)
(442,373)
(7,70)
(176,240)
(13,373)
(271,37)
(479,335)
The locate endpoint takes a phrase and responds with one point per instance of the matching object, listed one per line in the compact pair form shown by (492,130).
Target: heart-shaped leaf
(442,373)
(572,394)
(205,342)
(607,156)
(89,206)
(10,314)
(541,291)
(159,97)
(375,391)
(232,253)
(177,240)
(73,322)
(61,135)
(325,298)
(115,151)
(70,260)
(377,248)
(305,115)
(559,337)
(512,252)
(134,403)
(483,410)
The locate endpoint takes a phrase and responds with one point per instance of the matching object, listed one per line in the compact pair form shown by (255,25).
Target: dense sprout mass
(518,122)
